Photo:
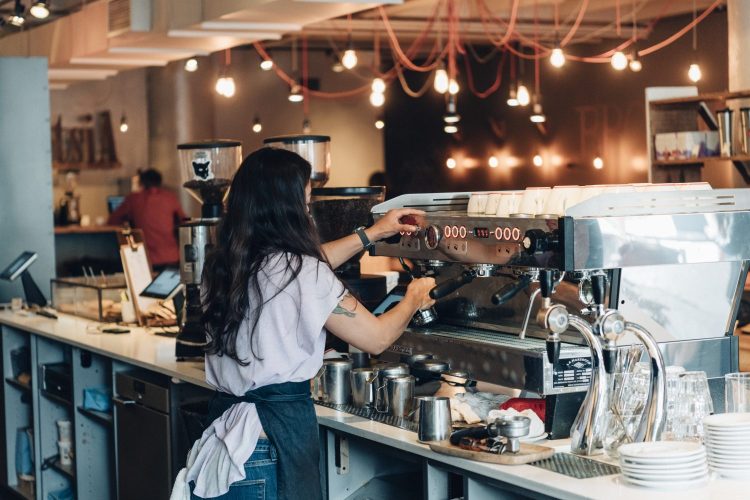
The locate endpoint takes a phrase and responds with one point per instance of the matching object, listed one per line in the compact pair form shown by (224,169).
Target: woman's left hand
(391,223)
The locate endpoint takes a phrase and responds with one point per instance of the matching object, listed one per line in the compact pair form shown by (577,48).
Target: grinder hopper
(207,171)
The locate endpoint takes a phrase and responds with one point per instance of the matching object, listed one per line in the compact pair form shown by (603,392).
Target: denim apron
(288,418)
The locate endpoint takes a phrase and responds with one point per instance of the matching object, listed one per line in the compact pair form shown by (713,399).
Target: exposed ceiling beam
(80,73)
(167,51)
(248,26)
(241,35)
(115,61)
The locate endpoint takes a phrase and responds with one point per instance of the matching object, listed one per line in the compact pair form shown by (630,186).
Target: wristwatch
(366,243)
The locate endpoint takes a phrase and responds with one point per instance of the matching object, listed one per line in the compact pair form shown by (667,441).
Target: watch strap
(366,243)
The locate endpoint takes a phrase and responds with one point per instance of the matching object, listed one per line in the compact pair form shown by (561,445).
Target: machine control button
(432,237)
(538,241)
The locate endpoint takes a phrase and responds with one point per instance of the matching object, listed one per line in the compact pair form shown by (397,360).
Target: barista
(157,212)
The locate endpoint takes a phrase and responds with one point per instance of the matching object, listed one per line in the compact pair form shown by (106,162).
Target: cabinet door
(143,452)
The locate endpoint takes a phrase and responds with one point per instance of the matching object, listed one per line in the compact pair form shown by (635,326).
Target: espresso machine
(539,304)
(207,171)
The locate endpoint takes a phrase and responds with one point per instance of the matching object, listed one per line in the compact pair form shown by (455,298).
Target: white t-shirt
(289,340)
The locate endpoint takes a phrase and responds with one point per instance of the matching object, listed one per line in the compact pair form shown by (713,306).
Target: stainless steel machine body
(675,263)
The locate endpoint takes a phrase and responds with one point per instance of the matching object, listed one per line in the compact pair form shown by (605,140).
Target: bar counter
(370,449)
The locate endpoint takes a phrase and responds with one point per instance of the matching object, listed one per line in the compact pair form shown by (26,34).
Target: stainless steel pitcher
(363,386)
(335,385)
(399,395)
(434,417)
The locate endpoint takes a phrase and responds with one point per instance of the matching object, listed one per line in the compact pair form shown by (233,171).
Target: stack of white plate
(728,443)
(664,464)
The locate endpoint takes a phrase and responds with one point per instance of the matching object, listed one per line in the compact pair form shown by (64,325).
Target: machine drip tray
(372,414)
(575,466)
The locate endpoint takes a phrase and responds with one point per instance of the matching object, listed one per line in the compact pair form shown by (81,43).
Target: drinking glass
(737,392)
(688,406)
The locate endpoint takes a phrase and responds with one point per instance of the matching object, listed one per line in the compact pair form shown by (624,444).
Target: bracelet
(366,243)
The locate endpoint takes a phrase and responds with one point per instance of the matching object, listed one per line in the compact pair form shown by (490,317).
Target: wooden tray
(528,453)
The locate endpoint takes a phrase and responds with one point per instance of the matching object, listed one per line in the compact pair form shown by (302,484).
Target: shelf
(56,398)
(698,161)
(24,489)
(18,385)
(713,96)
(68,470)
(101,417)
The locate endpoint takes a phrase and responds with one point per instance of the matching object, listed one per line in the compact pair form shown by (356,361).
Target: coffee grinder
(207,170)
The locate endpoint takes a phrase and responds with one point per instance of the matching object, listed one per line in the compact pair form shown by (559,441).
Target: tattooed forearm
(341,309)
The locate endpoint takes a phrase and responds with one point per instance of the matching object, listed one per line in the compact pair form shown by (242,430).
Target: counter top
(143,348)
(86,229)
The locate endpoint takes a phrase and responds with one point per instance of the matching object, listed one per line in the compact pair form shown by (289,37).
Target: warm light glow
(306,126)
(453,87)
(39,10)
(440,84)
(16,20)
(635,63)
(191,65)
(538,160)
(450,129)
(451,118)
(523,96)
(379,124)
(266,65)
(512,99)
(694,73)
(493,162)
(538,115)
(598,163)
(378,85)
(225,86)
(257,126)
(557,57)
(350,59)
(377,99)
(295,94)
(450,163)
(123,124)
(619,60)
(337,67)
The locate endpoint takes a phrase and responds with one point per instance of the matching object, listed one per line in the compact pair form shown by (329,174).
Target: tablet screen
(18,266)
(163,285)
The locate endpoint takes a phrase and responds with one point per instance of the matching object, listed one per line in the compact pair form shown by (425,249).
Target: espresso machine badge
(202,166)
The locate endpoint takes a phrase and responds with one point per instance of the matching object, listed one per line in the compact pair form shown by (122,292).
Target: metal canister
(399,395)
(386,370)
(363,386)
(336,383)
(434,417)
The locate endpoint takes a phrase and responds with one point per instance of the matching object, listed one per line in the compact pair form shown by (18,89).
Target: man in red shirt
(157,212)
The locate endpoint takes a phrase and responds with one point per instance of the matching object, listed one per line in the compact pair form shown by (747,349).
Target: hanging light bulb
(512,97)
(377,99)
(379,124)
(306,127)
(349,60)
(451,116)
(337,67)
(453,87)
(17,19)
(378,85)
(619,60)
(225,86)
(266,65)
(557,57)
(598,163)
(450,128)
(295,93)
(694,73)
(257,126)
(440,83)
(635,63)
(40,10)
(537,114)
(523,96)
(450,163)
(493,162)
(538,160)
(191,65)
(123,124)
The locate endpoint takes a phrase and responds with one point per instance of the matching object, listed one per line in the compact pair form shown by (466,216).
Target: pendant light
(306,126)
(225,84)
(451,163)
(266,64)
(440,84)
(451,117)
(191,65)
(379,124)
(537,115)
(295,93)
(557,56)
(538,161)
(349,59)
(257,126)
(453,87)
(598,163)
(619,60)
(523,95)
(635,63)
(512,100)
(694,72)
(377,97)
(123,123)
(493,162)
(17,19)
(40,10)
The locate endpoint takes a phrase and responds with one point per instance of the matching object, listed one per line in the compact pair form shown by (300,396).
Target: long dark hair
(266,214)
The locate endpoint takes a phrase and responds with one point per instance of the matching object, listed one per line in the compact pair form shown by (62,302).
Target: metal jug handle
(317,384)
(378,399)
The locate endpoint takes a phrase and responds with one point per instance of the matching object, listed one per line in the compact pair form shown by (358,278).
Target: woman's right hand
(419,292)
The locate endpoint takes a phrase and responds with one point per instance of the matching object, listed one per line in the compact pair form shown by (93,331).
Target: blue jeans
(260,476)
